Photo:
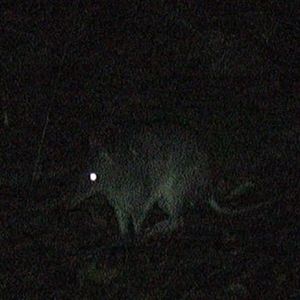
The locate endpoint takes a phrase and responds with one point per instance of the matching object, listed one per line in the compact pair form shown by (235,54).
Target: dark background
(225,67)
(72,70)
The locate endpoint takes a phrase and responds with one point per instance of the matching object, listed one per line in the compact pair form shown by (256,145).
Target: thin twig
(40,150)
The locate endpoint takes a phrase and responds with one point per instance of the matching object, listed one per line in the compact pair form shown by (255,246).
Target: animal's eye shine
(93,176)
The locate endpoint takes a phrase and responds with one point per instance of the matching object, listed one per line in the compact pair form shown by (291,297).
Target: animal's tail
(241,189)
(231,211)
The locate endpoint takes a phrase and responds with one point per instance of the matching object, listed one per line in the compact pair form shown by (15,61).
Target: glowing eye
(93,176)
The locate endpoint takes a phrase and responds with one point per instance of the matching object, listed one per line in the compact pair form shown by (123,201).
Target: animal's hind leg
(166,226)
(172,206)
